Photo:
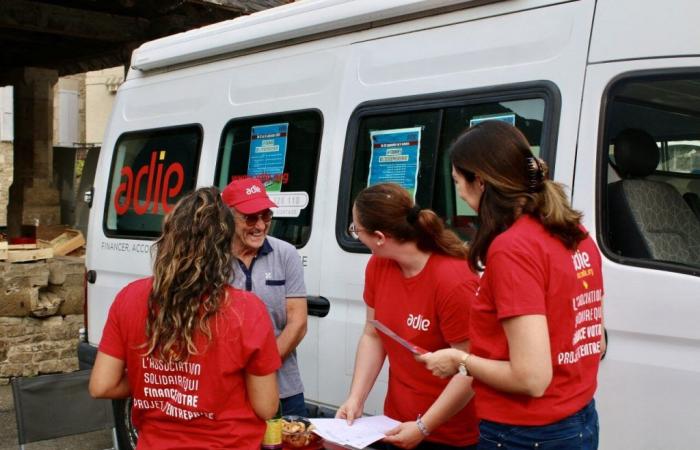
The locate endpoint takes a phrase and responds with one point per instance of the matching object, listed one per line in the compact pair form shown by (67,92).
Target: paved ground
(98,440)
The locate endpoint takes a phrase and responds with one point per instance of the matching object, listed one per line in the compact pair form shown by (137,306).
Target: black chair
(647,218)
(57,405)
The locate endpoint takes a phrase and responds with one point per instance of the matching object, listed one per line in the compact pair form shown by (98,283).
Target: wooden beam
(46,18)
(243,6)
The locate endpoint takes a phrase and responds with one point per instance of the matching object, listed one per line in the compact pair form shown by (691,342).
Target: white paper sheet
(360,434)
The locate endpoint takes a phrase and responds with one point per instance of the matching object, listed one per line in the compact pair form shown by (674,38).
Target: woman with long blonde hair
(197,356)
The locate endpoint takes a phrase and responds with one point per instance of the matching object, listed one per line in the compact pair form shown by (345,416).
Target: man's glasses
(354,230)
(252,219)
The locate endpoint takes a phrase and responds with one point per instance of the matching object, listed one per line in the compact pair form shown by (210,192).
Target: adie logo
(252,190)
(418,322)
(160,187)
(581,260)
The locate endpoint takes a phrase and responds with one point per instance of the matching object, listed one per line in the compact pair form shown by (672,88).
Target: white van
(607,91)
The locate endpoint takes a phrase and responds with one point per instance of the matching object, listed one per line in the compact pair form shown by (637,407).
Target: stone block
(28,274)
(51,355)
(22,358)
(50,366)
(18,302)
(47,304)
(73,299)
(66,270)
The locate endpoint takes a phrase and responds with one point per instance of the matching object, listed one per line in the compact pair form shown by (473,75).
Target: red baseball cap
(247,195)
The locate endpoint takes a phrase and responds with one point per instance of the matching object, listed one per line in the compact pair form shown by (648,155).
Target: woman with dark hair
(197,356)
(536,325)
(417,283)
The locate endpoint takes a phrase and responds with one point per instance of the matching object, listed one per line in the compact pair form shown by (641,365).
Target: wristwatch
(462,366)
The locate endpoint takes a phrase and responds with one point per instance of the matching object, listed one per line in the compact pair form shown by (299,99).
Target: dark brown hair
(515,183)
(389,208)
(192,267)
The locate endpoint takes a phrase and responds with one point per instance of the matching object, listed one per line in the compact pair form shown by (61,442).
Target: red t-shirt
(200,403)
(431,310)
(528,271)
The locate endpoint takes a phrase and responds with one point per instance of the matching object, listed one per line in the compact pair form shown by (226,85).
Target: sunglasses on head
(252,219)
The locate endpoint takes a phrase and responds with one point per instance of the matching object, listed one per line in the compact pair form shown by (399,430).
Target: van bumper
(86,355)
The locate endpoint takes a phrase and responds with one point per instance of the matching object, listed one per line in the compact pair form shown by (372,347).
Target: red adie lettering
(124,188)
(168,193)
(159,188)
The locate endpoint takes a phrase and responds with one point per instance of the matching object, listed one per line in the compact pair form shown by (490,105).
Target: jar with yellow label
(272,440)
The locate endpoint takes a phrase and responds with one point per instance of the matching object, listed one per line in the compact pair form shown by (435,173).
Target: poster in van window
(395,156)
(507,118)
(268,149)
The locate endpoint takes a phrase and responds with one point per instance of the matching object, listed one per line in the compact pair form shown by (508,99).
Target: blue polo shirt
(276,274)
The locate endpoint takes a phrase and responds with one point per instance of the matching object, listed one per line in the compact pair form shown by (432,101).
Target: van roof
(282,25)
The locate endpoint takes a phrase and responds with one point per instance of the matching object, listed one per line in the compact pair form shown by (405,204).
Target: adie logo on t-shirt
(160,187)
(581,260)
(582,264)
(418,322)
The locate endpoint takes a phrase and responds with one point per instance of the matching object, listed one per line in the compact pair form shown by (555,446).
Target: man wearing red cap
(271,268)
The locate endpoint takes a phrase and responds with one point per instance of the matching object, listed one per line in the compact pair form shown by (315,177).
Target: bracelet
(421,427)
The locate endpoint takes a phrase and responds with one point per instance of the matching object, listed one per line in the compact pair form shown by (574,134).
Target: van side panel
(475,54)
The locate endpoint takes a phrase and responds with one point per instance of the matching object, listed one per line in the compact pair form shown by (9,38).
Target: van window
(409,147)
(651,202)
(150,171)
(282,151)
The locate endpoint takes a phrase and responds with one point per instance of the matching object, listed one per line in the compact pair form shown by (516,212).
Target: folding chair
(57,405)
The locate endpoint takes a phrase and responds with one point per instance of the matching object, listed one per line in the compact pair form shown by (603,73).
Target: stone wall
(40,314)
(5,179)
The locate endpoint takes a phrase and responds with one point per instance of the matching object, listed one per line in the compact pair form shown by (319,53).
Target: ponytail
(389,208)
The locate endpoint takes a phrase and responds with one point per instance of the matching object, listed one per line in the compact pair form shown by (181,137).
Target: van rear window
(282,151)
(150,171)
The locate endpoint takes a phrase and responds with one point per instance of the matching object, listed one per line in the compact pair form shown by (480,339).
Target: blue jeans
(579,431)
(294,406)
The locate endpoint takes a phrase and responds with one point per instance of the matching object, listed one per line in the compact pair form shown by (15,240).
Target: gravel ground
(98,440)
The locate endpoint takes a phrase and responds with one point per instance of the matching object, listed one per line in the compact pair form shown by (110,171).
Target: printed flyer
(268,150)
(395,157)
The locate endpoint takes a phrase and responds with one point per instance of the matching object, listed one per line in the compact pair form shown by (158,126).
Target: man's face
(251,229)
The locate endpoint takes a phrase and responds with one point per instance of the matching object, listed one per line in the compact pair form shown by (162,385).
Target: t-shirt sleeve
(113,342)
(517,282)
(294,274)
(453,311)
(259,341)
(370,271)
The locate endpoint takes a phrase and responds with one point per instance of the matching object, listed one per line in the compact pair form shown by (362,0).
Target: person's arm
(295,330)
(108,378)
(368,363)
(528,370)
(263,394)
(452,400)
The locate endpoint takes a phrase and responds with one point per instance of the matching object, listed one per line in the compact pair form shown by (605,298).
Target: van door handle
(318,306)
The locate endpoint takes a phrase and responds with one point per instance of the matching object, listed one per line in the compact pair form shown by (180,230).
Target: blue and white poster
(395,157)
(268,150)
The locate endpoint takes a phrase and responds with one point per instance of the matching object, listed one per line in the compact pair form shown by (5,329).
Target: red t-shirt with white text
(530,272)
(200,403)
(430,310)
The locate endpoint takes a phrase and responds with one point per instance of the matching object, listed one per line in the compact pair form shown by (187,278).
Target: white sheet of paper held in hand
(363,431)
(416,350)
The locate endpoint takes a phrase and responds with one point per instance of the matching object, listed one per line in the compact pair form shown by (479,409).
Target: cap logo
(252,190)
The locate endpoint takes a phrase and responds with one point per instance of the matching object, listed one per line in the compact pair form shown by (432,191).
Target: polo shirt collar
(266,248)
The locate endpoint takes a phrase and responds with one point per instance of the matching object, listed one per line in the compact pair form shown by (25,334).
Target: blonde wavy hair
(191,270)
